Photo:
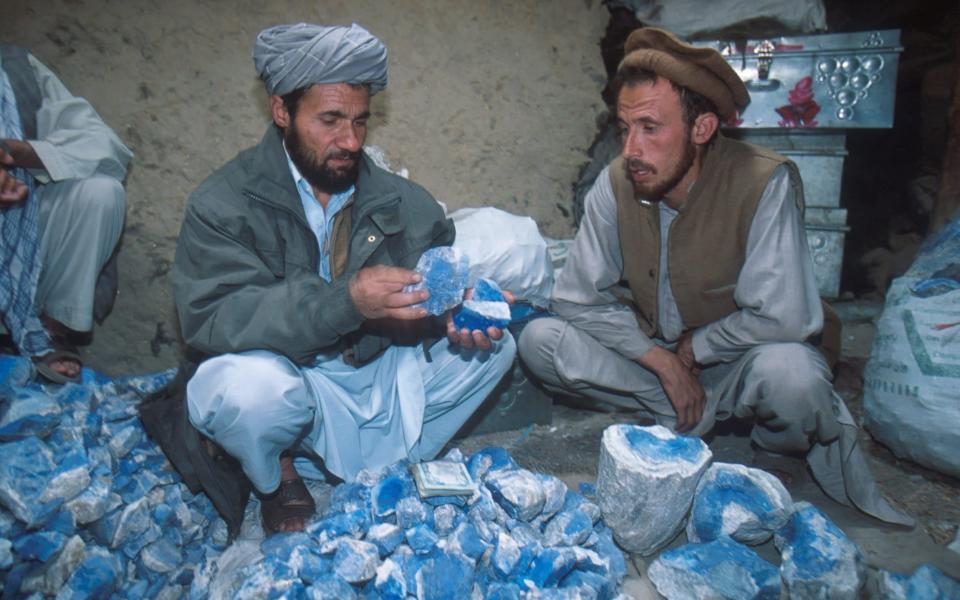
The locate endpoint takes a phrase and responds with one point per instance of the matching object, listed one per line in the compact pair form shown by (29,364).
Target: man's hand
(680,384)
(12,190)
(685,353)
(476,338)
(378,293)
(17,153)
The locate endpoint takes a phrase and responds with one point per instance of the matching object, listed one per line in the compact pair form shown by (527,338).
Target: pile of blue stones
(520,534)
(89,506)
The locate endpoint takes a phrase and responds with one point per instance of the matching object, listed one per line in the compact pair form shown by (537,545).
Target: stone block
(26,467)
(517,491)
(645,483)
(385,536)
(356,561)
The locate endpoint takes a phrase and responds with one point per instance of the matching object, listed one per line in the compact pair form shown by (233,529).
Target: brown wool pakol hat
(702,70)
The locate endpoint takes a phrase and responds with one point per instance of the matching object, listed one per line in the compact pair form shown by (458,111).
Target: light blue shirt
(320,220)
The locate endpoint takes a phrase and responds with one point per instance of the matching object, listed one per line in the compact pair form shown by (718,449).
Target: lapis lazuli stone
(446,272)
(722,568)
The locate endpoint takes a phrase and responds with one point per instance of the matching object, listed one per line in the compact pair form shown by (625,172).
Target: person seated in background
(289,283)
(720,315)
(62,208)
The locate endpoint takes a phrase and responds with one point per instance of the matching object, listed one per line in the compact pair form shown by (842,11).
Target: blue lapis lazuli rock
(96,577)
(30,413)
(313,567)
(926,582)
(331,587)
(743,503)
(386,537)
(568,529)
(486,308)
(26,467)
(161,556)
(356,561)
(518,492)
(281,545)
(411,512)
(422,539)
(489,459)
(39,546)
(387,492)
(467,540)
(446,272)
(722,568)
(390,583)
(549,567)
(445,577)
(477,315)
(817,559)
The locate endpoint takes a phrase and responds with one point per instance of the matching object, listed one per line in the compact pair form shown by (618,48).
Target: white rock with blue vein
(721,569)
(817,559)
(746,504)
(645,483)
(445,272)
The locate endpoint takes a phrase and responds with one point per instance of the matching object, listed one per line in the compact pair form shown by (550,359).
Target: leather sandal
(292,500)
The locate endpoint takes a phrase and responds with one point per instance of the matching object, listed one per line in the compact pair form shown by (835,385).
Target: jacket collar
(270,180)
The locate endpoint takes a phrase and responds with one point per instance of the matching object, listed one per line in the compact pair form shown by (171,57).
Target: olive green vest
(708,238)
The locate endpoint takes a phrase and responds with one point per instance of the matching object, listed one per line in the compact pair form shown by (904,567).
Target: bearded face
(331,174)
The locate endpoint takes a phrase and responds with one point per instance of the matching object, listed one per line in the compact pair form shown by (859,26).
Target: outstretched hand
(476,338)
(377,292)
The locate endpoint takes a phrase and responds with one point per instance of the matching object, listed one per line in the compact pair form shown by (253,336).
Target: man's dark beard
(657,192)
(320,175)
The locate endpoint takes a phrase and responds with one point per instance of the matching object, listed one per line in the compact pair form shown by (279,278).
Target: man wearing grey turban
(305,352)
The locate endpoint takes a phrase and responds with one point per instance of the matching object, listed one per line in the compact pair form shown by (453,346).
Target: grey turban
(289,57)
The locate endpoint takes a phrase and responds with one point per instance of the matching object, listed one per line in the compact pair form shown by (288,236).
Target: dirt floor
(489,103)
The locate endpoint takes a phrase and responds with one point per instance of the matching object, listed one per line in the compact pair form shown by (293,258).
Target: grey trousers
(784,388)
(80,224)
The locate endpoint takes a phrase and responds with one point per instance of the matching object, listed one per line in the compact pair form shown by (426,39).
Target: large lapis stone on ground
(29,412)
(817,559)
(26,468)
(743,503)
(926,582)
(446,272)
(721,568)
(518,491)
(645,483)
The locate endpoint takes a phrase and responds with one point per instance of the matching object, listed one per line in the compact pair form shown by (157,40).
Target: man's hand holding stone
(377,292)
(476,338)
(680,384)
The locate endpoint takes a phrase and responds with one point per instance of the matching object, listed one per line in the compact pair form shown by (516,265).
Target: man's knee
(101,195)
(538,342)
(232,386)
(795,407)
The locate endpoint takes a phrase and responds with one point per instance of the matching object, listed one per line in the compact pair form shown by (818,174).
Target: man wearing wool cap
(306,353)
(689,292)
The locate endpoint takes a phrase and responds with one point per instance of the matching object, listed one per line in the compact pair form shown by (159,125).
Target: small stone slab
(645,483)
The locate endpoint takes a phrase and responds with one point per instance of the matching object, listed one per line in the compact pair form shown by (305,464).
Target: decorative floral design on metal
(803,109)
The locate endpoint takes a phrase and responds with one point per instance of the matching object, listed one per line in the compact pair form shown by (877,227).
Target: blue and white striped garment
(19,246)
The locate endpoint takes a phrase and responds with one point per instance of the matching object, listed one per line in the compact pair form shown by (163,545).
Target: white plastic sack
(687,18)
(507,249)
(911,395)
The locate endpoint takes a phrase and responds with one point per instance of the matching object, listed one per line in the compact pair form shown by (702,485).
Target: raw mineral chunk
(549,567)
(445,577)
(743,503)
(30,413)
(818,560)
(356,561)
(487,308)
(422,539)
(331,587)
(489,459)
(518,492)
(926,582)
(390,583)
(446,272)
(26,467)
(645,483)
(721,568)
(568,529)
(39,546)
(162,556)
(51,578)
(96,577)
(385,536)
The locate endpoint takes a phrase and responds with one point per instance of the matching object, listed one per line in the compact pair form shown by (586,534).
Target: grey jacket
(245,274)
